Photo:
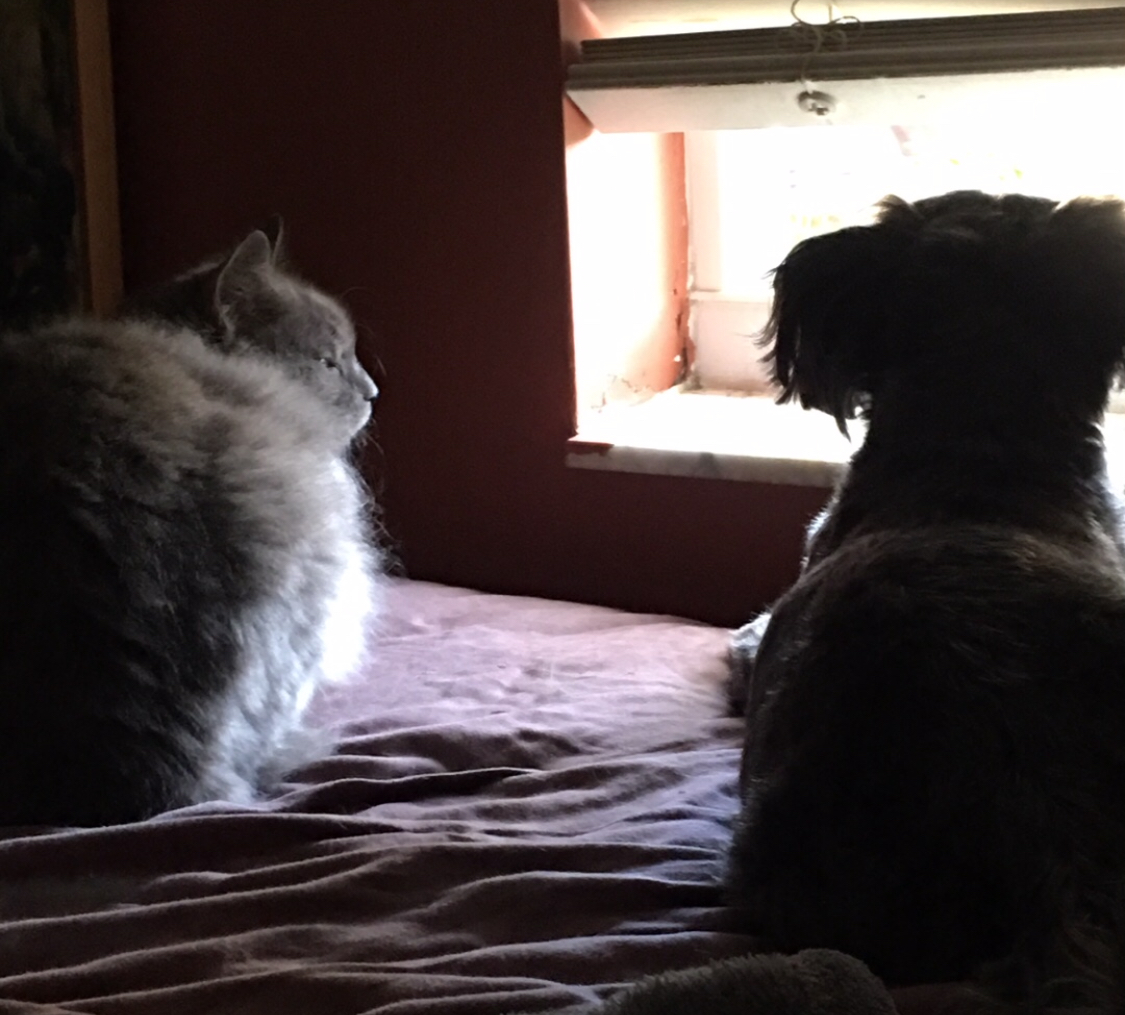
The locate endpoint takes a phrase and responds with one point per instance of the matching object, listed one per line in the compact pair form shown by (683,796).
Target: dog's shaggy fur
(934,771)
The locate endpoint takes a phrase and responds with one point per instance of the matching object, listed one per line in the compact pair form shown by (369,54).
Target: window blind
(1010,66)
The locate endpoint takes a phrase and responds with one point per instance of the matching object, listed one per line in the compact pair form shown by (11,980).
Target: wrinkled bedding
(527,807)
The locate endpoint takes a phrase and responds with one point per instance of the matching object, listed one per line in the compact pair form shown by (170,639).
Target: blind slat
(1093,37)
(910,51)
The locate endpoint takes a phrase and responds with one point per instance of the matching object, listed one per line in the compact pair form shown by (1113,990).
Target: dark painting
(40,271)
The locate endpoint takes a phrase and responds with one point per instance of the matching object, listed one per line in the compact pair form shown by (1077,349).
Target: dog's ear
(1076,282)
(827,332)
(1083,249)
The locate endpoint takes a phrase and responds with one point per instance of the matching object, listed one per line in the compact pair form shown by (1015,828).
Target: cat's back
(171,460)
(184,547)
(88,384)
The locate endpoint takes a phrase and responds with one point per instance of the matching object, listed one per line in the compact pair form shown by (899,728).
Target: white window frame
(723,325)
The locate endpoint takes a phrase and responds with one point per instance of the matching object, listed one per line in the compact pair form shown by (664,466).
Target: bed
(527,809)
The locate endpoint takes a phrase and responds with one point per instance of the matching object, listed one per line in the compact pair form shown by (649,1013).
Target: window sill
(714,435)
(733,436)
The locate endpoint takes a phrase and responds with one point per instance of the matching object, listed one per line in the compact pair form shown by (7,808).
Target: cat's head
(247,303)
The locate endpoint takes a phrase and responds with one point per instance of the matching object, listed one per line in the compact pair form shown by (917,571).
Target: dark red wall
(416,152)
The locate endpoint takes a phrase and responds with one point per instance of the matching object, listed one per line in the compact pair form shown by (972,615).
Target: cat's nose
(369,390)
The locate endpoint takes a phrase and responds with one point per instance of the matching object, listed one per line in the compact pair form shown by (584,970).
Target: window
(1028,108)
(822,178)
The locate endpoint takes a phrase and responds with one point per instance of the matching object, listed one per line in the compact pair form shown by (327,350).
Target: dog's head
(950,292)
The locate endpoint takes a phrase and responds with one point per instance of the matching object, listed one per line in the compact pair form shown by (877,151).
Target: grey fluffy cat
(184,550)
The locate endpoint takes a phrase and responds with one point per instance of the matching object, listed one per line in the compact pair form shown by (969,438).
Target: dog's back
(934,772)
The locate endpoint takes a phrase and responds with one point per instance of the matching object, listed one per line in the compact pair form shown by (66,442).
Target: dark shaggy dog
(934,770)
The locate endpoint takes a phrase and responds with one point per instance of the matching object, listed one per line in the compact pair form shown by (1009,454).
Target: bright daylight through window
(822,178)
(912,108)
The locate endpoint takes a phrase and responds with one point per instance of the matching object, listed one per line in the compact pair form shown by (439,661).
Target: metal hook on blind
(812,38)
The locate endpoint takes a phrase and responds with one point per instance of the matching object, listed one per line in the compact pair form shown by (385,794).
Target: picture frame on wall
(60,247)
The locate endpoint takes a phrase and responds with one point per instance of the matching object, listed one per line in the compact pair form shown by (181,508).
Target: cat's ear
(242,279)
(275,233)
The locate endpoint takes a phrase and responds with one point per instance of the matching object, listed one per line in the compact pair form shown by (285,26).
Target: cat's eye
(329,362)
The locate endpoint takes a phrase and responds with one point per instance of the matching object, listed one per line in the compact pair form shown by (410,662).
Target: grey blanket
(527,811)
